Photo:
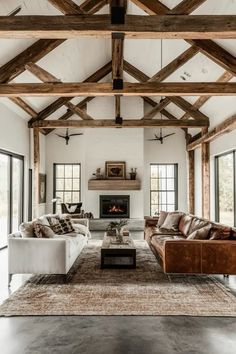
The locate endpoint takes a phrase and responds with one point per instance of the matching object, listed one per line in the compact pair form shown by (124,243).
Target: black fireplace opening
(114,206)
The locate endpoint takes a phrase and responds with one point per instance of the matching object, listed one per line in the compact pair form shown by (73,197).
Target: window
(226,188)
(164,187)
(67,183)
(11,194)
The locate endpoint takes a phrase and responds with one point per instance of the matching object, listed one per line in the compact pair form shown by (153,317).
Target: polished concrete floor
(113,334)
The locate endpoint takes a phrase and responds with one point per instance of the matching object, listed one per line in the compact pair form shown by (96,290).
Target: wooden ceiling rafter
(211,49)
(45,76)
(95,77)
(78,89)
(110,123)
(223,128)
(135,26)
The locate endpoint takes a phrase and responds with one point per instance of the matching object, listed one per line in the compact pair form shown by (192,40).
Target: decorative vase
(119,236)
(132,175)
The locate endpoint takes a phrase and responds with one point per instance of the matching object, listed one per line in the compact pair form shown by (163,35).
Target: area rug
(145,290)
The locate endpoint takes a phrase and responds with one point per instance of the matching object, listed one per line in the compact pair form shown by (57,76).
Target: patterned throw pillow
(41,230)
(66,225)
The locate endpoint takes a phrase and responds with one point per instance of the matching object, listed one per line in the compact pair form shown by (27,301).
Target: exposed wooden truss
(107,123)
(223,128)
(157,8)
(106,89)
(63,27)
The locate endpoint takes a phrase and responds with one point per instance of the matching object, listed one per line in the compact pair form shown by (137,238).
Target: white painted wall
(173,150)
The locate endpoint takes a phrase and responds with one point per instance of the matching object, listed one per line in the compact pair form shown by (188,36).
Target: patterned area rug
(143,291)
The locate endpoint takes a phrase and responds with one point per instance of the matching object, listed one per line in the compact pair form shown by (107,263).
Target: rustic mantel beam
(59,27)
(106,89)
(106,123)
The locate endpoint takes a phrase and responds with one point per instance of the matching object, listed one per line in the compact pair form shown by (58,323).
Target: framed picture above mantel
(115,170)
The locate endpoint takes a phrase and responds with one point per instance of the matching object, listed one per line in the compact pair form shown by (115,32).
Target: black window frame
(217,197)
(175,184)
(54,180)
(12,155)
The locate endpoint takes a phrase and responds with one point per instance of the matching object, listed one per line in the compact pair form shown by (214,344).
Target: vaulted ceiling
(89,59)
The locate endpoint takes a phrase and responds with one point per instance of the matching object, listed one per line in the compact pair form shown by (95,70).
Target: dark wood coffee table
(114,255)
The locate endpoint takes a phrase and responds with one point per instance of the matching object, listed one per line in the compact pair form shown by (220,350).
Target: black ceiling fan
(68,136)
(161,137)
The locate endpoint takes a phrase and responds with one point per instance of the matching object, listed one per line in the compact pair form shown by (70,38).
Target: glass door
(11,194)
(4,199)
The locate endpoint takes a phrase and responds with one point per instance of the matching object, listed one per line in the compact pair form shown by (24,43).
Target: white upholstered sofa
(45,255)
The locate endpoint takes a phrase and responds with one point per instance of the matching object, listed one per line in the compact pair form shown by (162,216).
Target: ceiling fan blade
(61,136)
(168,135)
(153,139)
(76,134)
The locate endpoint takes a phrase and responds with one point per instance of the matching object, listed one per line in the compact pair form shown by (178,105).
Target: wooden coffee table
(114,255)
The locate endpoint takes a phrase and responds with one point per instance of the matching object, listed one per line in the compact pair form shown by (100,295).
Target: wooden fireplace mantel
(110,184)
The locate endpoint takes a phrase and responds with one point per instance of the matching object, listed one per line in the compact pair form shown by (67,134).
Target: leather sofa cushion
(158,242)
(184,224)
(160,231)
(220,232)
(200,234)
(197,224)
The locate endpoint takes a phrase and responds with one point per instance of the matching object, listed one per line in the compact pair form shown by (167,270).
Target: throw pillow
(200,234)
(53,220)
(220,233)
(162,217)
(26,229)
(197,224)
(41,230)
(66,225)
(184,224)
(172,221)
(81,229)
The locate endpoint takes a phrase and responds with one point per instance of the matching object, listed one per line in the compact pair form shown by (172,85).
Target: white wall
(173,150)
(14,137)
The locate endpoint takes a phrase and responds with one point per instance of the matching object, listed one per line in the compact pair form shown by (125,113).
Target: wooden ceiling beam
(59,27)
(24,106)
(157,108)
(175,64)
(188,108)
(41,48)
(96,76)
(217,54)
(186,7)
(73,89)
(67,7)
(107,123)
(223,128)
(203,99)
(152,7)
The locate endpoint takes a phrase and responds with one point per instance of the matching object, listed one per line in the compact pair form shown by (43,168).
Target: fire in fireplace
(114,206)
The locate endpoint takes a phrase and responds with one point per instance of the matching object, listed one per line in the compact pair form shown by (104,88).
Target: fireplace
(114,206)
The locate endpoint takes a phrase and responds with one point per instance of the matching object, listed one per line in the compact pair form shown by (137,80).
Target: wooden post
(191,182)
(36,171)
(205,149)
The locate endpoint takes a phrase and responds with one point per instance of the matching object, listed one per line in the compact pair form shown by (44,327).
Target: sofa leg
(226,275)
(9,280)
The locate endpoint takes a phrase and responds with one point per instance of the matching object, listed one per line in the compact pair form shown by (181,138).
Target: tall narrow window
(11,194)
(226,188)
(67,183)
(164,187)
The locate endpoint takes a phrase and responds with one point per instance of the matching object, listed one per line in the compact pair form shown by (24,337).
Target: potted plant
(114,228)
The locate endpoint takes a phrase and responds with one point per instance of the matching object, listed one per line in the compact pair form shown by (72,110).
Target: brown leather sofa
(178,254)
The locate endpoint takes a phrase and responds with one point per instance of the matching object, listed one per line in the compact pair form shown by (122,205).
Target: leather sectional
(177,253)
